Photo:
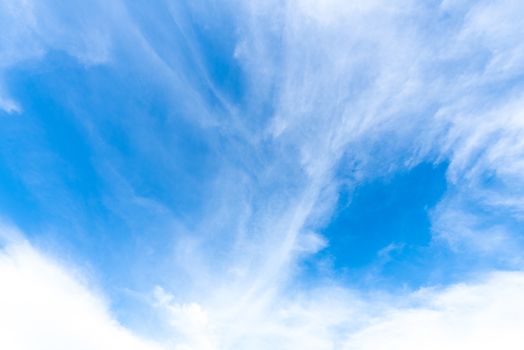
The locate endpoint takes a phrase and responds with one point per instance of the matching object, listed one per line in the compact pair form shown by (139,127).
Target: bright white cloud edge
(45,306)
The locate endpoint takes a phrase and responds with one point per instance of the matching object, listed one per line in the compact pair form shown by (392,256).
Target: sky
(224,174)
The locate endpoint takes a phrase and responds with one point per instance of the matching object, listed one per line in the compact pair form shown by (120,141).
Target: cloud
(8,105)
(47,306)
(482,315)
(32,29)
(378,87)
(368,86)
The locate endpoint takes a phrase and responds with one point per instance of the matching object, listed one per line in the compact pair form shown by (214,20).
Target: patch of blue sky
(16,201)
(381,229)
(82,125)
(381,233)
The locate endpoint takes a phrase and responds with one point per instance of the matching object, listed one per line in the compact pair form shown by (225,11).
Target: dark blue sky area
(383,224)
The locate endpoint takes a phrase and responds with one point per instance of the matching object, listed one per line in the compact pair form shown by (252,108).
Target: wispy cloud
(210,141)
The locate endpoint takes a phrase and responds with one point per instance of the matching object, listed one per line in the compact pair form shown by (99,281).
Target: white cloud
(8,105)
(377,85)
(30,29)
(484,315)
(481,314)
(310,242)
(45,306)
(384,86)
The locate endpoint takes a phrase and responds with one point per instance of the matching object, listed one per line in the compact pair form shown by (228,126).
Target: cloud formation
(47,306)
(214,142)
(479,314)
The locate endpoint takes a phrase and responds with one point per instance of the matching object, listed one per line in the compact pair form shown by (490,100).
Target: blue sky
(286,175)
